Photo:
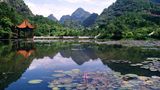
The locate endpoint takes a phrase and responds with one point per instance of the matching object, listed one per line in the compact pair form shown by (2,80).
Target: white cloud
(47,9)
(72,1)
(46,62)
(65,7)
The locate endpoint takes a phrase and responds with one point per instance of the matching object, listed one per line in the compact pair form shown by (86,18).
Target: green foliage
(132,19)
(46,27)
(125,19)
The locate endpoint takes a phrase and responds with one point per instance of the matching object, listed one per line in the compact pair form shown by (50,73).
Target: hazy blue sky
(65,7)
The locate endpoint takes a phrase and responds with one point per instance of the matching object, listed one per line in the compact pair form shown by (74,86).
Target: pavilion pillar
(18,33)
(32,33)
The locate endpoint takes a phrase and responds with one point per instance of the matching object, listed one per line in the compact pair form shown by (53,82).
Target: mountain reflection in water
(24,61)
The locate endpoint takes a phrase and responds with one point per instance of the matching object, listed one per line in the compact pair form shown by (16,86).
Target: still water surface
(71,65)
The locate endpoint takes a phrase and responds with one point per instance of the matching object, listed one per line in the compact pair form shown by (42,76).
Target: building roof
(25,24)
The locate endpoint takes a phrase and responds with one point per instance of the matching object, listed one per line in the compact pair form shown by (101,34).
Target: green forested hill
(13,12)
(8,17)
(136,19)
(20,7)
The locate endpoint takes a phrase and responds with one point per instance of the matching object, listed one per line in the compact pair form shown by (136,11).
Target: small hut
(25,30)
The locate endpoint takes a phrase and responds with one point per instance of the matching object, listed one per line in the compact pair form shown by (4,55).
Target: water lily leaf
(76,71)
(68,72)
(59,71)
(55,88)
(58,75)
(35,81)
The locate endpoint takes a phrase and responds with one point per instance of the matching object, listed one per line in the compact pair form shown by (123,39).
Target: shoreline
(96,41)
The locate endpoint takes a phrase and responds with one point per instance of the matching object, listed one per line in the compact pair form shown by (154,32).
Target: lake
(79,65)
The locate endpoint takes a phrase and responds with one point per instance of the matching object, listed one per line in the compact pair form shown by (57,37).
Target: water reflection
(25,61)
(12,65)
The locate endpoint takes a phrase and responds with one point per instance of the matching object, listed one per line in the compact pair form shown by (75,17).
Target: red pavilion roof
(25,24)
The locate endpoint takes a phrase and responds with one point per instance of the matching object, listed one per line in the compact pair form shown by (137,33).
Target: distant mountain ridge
(79,15)
(52,17)
(90,20)
(65,18)
(78,19)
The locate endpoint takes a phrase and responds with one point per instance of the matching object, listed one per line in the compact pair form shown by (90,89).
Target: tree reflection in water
(16,57)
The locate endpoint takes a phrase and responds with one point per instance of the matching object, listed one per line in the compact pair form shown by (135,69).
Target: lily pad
(138,64)
(75,71)
(51,85)
(68,72)
(153,69)
(133,65)
(144,78)
(131,75)
(35,81)
(55,88)
(145,67)
(128,77)
(58,75)
(66,80)
(59,71)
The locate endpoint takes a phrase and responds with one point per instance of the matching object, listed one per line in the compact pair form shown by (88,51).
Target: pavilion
(25,30)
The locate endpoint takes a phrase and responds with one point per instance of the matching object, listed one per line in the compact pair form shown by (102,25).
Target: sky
(66,7)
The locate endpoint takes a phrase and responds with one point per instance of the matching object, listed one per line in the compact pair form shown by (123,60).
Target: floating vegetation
(65,80)
(58,75)
(119,61)
(35,81)
(68,72)
(152,64)
(55,88)
(153,58)
(59,71)
(78,82)
(75,71)
(103,80)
